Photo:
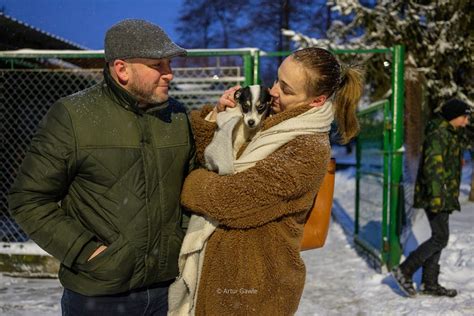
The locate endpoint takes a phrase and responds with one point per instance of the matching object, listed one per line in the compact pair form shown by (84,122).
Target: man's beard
(145,94)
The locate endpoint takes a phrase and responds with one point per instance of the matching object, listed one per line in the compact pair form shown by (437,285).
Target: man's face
(149,79)
(460,121)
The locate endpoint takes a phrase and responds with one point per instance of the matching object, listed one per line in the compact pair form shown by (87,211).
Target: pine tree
(438,39)
(437,35)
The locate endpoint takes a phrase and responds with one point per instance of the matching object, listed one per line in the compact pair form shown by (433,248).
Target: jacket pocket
(115,263)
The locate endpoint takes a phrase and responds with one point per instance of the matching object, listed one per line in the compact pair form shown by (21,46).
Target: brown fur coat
(252,264)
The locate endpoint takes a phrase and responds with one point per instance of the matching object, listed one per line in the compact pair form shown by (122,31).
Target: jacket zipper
(143,144)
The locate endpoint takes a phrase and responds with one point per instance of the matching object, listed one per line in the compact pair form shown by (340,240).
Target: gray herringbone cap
(134,38)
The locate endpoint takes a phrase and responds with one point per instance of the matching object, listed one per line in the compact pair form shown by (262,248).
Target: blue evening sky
(85,21)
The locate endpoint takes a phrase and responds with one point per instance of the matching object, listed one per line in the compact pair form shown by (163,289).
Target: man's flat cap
(133,38)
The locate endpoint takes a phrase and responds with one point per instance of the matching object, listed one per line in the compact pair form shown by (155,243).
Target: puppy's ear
(266,94)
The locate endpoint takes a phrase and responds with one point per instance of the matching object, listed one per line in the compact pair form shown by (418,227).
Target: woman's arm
(203,131)
(262,193)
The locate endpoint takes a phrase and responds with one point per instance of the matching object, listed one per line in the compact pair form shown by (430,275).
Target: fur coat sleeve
(203,131)
(271,189)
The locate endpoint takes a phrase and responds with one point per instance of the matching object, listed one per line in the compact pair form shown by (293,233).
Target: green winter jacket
(439,173)
(102,171)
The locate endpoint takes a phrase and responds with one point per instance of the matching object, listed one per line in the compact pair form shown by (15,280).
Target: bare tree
(250,23)
(194,24)
(258,23)
(211,23)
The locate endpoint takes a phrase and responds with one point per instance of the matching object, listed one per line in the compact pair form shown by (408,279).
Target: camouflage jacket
(439,172)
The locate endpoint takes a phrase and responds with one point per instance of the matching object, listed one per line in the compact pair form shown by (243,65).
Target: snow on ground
(32,297)
(338,281)
(20,248)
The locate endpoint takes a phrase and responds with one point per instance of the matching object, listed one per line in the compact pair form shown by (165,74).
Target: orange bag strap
(317,224)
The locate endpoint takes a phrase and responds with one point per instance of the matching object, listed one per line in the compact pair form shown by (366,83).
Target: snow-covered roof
(15,34)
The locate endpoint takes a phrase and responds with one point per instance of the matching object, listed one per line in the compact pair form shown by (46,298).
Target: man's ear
(121,70)
(318,101)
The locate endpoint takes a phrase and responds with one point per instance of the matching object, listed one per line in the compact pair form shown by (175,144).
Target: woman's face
(288,91)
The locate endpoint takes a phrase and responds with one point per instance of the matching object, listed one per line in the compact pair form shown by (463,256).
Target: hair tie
(343,76)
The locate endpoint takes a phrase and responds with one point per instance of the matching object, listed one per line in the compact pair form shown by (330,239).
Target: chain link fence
(195,87)
(27,94)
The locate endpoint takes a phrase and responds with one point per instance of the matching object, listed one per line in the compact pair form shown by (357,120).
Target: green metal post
(397,152)
(256,67)
(248,69)
(386,181)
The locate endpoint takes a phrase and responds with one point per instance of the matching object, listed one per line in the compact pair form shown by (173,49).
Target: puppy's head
(254,102)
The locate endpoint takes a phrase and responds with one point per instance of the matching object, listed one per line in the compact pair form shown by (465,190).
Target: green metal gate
(379,171)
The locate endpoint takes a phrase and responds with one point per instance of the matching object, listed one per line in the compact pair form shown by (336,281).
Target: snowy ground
(338,282)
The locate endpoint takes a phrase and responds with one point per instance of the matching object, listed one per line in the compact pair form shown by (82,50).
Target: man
(437,191)
(100,187)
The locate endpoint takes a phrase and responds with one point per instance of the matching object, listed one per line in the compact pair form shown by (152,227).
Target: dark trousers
(428,253)
(148,301)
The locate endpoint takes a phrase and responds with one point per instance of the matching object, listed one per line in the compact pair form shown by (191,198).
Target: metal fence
(196,86)
(27,94)
(371,220)
(26,97)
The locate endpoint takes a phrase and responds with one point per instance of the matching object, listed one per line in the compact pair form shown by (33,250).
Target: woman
(252,261)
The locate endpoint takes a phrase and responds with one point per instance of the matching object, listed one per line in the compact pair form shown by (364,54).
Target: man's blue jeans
(147,301)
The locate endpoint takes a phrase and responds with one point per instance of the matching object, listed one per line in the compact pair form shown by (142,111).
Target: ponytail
(346,99)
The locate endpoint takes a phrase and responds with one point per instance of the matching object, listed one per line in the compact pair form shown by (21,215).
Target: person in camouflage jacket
(437,191)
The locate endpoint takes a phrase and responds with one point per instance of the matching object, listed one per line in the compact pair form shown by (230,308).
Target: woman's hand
(227,99)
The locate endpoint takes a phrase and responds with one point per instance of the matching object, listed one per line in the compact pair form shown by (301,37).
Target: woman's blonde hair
(327,77)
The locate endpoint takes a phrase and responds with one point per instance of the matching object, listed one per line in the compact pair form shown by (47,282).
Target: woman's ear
(318,101)
(121,70)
